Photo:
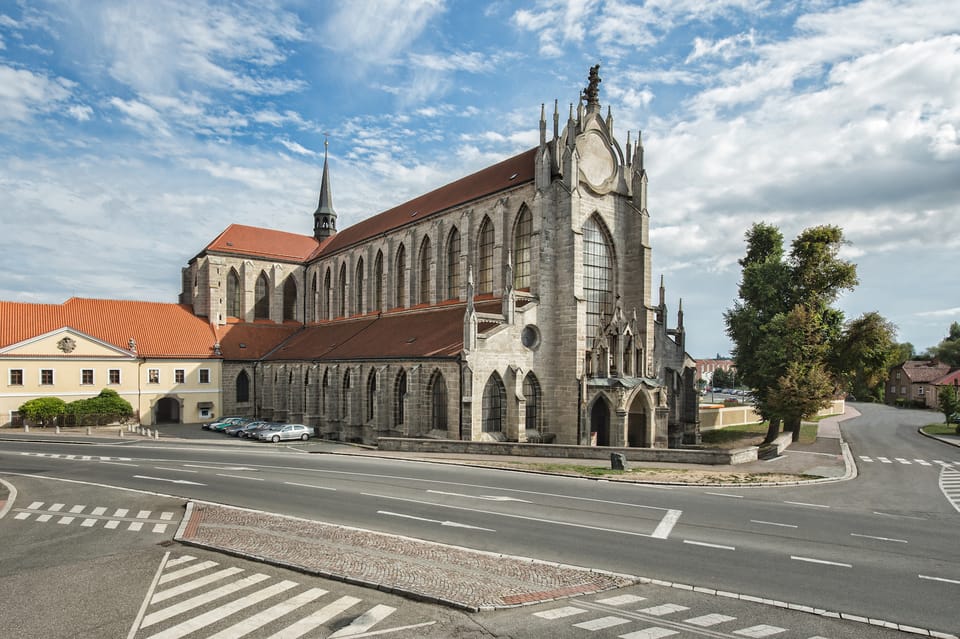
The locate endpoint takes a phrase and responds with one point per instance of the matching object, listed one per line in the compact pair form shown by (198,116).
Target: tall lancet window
(598,263)
(358,288)
(453,265)
(327,310)
(290,299)
(522,239)
(261,308)
(378,282)
(485,258)
(342,291)
(401,277)
(425,263)
(233,294)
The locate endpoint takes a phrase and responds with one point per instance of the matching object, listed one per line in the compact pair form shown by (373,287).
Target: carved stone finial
(592,92)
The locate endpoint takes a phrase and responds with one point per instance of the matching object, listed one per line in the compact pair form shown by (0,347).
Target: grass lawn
(940,429)
(752,434)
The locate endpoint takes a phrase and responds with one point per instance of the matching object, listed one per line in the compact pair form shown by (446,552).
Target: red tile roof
(264,243)
(432,332)
(501,176)
(923,370)
(950,379)
(160,330)
(252,341)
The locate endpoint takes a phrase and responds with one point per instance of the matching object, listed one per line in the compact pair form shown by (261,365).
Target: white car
(284,432)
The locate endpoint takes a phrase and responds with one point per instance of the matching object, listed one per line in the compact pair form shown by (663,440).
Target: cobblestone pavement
(427,571)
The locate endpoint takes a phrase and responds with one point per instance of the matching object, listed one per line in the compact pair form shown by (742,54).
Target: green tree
(784,325)
(106,407)
(722,378)
(948,350)
(903,352)
(949,402)
(863,355)
(42,409)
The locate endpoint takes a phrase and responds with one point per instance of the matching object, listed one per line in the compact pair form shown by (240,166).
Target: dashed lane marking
(97,514)
(76,457)
(601,623)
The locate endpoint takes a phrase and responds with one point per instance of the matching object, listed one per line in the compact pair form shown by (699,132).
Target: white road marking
(649,633)
(821,561)
(208,618)
(922,462)
(725,495)
(88,522)
(559,613)
(865,458)
(143,514)
(186,572)
(245,627)
(451,524)
(387,631)
(620,600)
(176,470)
(943,579)
(22,515)
(801,503)
(899,516)
(202,599)
(172,481)
(65,520)
(35,505)
(484,497)
(56,508)
(76,510)
(601,623)
(291,483)
(763,630)
(110,525)
(771,523)
(99,510)
(240,477)
(135,526)
(146,600)
(706,621)
(363,623)
(318,618)
(220,467)
(159,528)
(44,517)
(884,460)
(166,516)
(664,609)
(703,543)
(200,582)
(899,541)
(121,512)
(666,524)
(183,559)
(902,460)
(112,463)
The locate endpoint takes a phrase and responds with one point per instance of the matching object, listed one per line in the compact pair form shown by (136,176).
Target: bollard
(26,428)
(57,427)
(156,433)
(88,430)
(120,432)
(618,461)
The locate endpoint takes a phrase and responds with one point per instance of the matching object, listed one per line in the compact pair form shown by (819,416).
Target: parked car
(285,432)
(223,420)
(219,427)
(253,429)
(234,429)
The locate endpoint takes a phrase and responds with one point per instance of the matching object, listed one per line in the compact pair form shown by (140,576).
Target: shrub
(42,409)
(105,408)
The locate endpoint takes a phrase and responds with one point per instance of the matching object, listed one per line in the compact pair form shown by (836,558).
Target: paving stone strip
(428,571)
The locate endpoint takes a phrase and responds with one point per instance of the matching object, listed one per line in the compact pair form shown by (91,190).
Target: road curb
(938,438)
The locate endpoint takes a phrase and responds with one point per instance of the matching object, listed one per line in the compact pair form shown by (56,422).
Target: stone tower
(324,218)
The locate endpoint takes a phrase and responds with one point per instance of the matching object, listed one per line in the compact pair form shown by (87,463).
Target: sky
(132,133)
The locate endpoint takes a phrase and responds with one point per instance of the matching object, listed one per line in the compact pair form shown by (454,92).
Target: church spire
(325,218)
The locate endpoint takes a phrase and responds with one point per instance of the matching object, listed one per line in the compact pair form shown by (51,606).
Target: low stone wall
(713,418)
(674,455)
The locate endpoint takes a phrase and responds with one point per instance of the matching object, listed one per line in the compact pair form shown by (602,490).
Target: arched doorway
(637,434)
(168,410)
(600,423)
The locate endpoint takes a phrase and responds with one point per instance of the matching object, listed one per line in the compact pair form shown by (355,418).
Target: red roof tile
(433,332)
(923,370)
(264,243)
(505,175)
(252,341)
(160,330)
(950,379)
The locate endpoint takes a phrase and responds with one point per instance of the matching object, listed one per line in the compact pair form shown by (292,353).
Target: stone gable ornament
(67,345)
(592,92)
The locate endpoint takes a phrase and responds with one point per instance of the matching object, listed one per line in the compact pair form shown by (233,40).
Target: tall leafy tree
(784,325)
(949,402)
(863,355)
(948,350)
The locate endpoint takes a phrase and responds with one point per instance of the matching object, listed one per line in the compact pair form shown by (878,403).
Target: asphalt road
(881,546)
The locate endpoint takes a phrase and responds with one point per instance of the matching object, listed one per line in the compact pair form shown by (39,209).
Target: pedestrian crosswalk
(635,617)
(78,457)
(903,461)
(111,518)
(950,485)
(204,599)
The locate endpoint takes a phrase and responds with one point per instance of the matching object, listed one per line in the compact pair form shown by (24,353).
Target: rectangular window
(179,376)
(204,375)
(86,376)
(153,375)
(920,390)
(46,376)
(16,377)
(114,375)
(204,413)
(898,376)
(903,390)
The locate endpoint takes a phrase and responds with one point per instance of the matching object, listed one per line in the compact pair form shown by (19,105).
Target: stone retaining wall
(674,455)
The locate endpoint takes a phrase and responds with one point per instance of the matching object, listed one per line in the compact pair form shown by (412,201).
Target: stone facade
(540,267)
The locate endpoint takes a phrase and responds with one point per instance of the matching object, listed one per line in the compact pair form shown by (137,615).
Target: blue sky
(132,133)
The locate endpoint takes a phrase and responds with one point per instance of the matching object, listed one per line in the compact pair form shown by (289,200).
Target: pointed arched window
(290,299)
(358,288)
(399,394)
(598,270)
(345,396)
(325,394)
(425,262)
(453,264)
(401,297)
(371,395)
(531,393)
(378,282)
(342,292)
(522,241)
(234,292)
(327,310)
(438,402)
(494,404)
(243,387)
(485,257)
(261,308)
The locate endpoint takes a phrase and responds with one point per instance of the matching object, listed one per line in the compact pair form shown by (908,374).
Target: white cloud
(379,31)
(80,112)
(295,147)
(24,93)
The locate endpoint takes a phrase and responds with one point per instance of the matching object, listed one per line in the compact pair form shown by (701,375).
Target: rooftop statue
(592,91)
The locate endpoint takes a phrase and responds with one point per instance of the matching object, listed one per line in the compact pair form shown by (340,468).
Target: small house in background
(914,382)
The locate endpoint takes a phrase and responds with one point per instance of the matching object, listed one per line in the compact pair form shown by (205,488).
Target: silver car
(284,432)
